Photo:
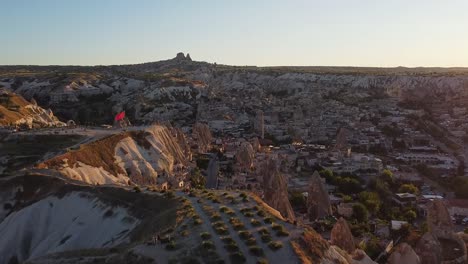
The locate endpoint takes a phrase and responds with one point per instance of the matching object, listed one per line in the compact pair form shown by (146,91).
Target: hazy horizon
(245,33)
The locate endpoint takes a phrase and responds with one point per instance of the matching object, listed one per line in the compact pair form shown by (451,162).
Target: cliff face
(137,157)
(275,192)
(16,111)
(318,201)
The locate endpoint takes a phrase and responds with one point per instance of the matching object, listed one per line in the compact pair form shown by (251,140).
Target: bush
(197,221)
(236,223)
(249,214)
(261,213)
(215,217)
(208,245)
(137,189)
(263,231)
(171,246)
(275,245)
(255,222)
(276,227)
(266,238)
(360,212)
(185,233)
(232,247)
(228,240)
(205,235)
(256,251)
(223,209)
(230,212)
(268,220)
(282,233)
(251,241)
(245,234)
(237,257)
(221,230)
(255,208)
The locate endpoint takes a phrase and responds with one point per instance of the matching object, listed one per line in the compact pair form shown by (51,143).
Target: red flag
(120,116)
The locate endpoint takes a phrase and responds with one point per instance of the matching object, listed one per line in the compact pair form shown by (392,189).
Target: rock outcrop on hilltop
(404,254)
(16,111)
(318,200)
(131,157)
(275,191)
(452,249)
(342,237)
(245,156)
(47,215)
(201,134)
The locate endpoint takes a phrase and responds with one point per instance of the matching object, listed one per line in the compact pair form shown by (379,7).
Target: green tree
(328,175)
(371,200)
(297,199)
(348,185)
(408,188)
(387,176)
(197,180)
(360,212)
(410,215)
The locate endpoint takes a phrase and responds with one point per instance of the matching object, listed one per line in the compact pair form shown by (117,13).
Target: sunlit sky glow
(242,32)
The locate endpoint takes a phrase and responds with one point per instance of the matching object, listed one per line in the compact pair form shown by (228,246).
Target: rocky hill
(180,89)
(129,157)
(15,111)
(44,219)
(42,215)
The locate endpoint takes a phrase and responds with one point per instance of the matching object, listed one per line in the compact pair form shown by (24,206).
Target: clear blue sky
(242,32)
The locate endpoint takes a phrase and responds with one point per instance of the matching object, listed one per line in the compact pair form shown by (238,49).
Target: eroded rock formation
(245,156)
(428,249)
(452,249)
(318,201)
(136,156)
(341,236)
(275,192)
(438,218)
